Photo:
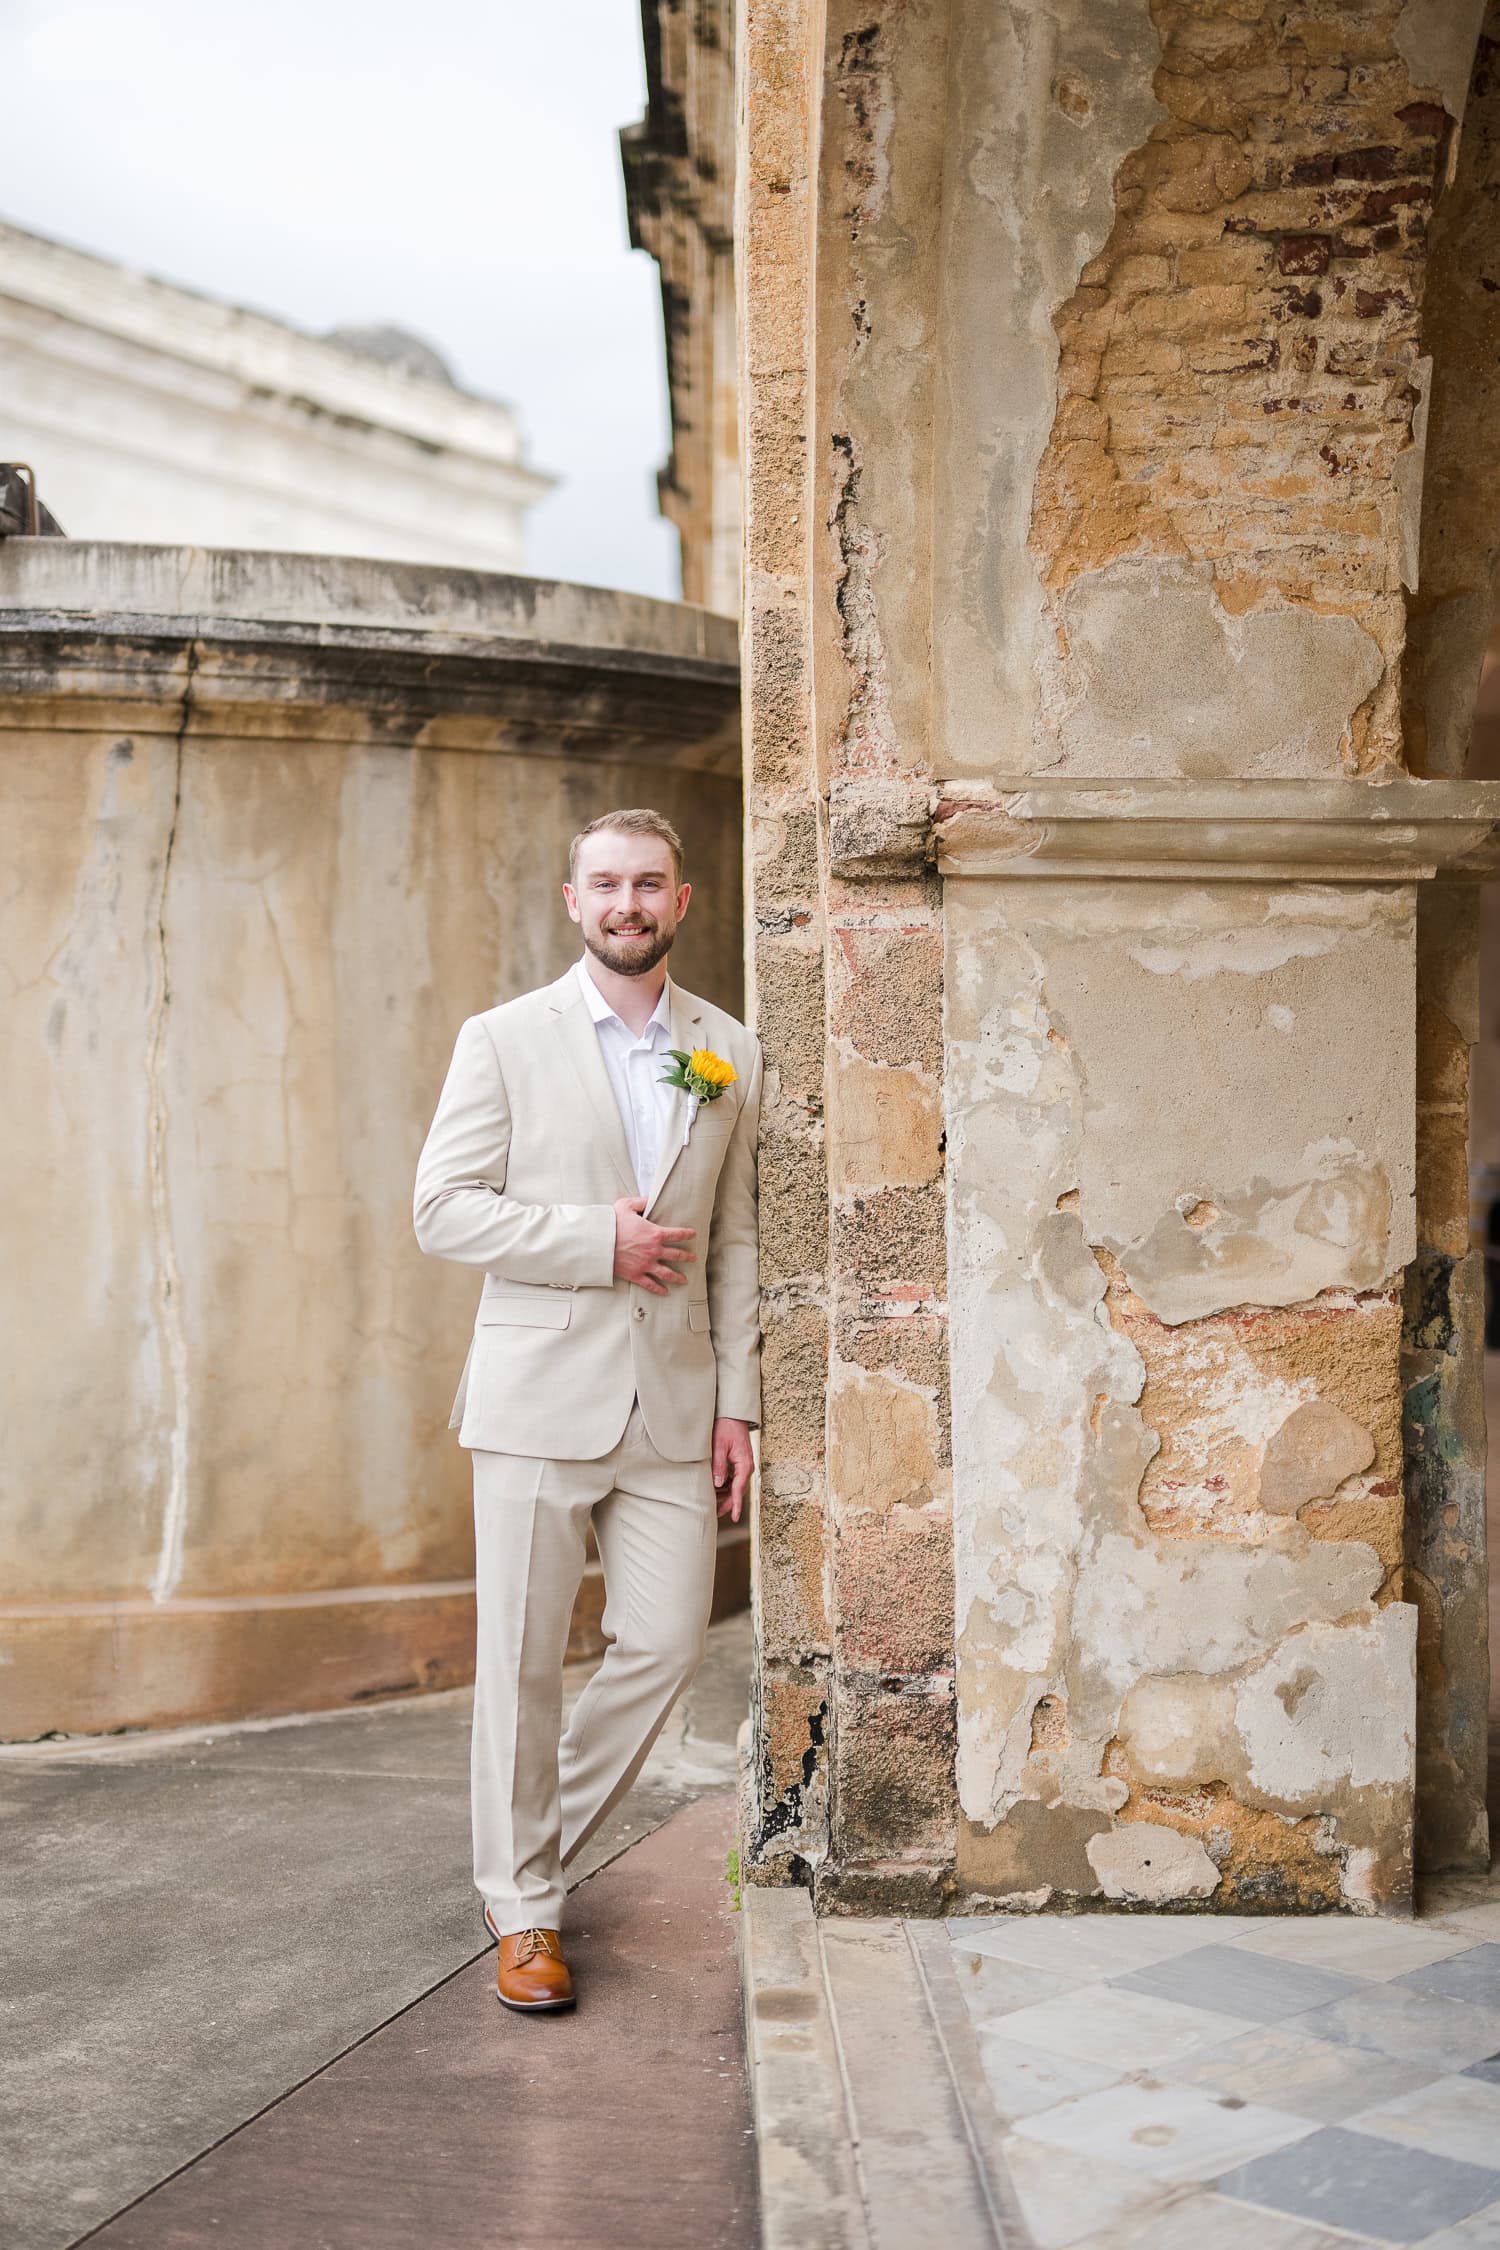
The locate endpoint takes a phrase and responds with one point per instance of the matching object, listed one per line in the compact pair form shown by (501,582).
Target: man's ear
(570,900)
(684,893)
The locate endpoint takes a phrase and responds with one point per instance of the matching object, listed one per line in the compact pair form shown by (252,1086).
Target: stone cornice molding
(495,664)
(1398,831)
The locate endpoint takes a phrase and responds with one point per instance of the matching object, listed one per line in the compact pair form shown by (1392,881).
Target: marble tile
(1367,2186)
(1488,2069)
(1482,2232)
(1176,2133)
(993,1988)
(1196,2221)
(1062,2200)
(1359,1945)
(1024,2079)
(1132,2030)
(1258,1986)
(1416,2026)
(1091,1946)
(1473,1975)
(1277,2064)
(1457,2117)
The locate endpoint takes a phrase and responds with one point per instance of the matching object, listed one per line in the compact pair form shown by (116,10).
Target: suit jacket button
(640,1312)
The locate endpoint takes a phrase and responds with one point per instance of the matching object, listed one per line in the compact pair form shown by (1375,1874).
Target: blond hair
(637,821)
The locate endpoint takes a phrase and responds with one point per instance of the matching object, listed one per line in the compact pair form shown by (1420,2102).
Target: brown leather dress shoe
(533,1974)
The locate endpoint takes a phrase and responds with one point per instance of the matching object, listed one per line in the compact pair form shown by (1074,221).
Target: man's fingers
(677,1234)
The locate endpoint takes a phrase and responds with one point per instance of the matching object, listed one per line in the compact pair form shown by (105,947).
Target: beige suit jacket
(519,1175)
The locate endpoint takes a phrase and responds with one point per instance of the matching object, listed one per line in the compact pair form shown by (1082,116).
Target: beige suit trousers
(536,1802)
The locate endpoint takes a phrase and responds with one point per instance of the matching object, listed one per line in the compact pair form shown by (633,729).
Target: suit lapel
(686,1018)
(580,1043)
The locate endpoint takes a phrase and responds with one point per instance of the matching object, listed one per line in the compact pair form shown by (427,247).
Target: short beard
(633,964)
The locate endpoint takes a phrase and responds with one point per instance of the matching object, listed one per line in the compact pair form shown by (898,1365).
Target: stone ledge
(199,642)
(1399,831)
(873,2120)
(809,2187)
(291,681)
(234,585)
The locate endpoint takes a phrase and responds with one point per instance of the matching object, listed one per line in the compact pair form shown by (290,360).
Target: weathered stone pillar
(1084,398)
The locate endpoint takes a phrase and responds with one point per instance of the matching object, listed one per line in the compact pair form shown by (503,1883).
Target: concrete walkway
(251,2005)
(196,1924)
(625,2126)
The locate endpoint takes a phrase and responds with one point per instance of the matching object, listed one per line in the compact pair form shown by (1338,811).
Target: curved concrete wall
(276,825)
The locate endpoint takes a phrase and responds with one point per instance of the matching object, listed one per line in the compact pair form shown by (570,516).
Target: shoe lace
(536,1941)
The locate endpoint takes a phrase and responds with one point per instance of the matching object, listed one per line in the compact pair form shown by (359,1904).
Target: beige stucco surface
(1043,104)
(1138,1535)
(236,964)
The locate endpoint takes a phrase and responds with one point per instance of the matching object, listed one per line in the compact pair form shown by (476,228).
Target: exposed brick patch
(1213,406)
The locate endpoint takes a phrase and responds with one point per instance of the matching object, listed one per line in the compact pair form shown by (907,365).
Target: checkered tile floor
(1246,2084)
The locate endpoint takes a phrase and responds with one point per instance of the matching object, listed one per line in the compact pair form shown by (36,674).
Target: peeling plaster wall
(1242,999)
(1087,394)
(1171,1499)
(1044,104)
(1240,403)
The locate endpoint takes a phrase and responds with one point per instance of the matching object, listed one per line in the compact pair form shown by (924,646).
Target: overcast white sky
(449,165)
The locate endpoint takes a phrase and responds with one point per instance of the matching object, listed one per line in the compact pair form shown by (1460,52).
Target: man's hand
(648,1255)
(734,1464)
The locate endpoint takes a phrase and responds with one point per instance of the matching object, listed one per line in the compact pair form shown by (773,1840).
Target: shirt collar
(601,1011)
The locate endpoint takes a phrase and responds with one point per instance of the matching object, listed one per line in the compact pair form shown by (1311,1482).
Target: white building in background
(149,412)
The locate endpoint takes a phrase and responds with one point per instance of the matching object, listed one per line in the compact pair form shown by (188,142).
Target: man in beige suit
(614,1371)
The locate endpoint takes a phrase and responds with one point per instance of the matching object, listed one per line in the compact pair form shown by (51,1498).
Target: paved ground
(1166,2080)
(1128,2082)
(250,2004)
(196,1924)
(1134,2081)
(625,2125)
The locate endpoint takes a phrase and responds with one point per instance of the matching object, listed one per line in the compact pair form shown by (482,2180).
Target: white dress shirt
(635,1069)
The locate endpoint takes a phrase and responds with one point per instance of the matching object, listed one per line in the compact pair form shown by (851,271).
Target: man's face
(625,900)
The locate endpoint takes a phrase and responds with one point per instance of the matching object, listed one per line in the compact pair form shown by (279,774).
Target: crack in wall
(169,1276)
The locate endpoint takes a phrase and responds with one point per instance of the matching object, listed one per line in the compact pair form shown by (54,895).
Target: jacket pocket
(525,1312)
(697,1313)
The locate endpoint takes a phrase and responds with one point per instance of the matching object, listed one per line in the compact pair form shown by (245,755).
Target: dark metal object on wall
(21,510)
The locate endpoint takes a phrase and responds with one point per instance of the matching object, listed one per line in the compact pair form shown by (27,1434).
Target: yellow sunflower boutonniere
(702,1076)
